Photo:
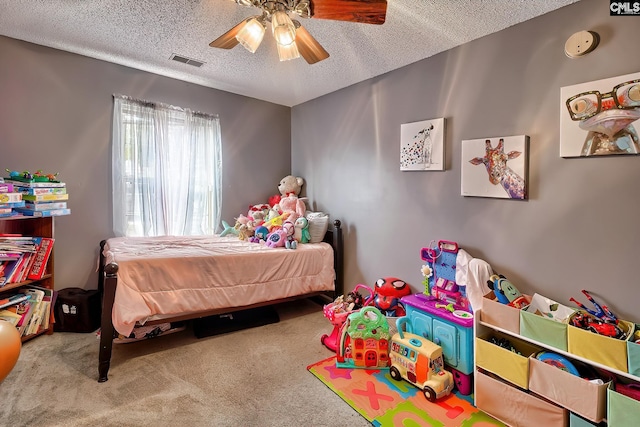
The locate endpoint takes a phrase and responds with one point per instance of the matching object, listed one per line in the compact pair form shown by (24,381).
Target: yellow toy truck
(419,361)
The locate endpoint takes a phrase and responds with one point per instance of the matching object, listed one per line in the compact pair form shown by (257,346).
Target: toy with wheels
(419,362)
(338,311)
(10,345)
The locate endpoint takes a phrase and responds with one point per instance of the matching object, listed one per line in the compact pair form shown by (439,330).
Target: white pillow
(318,226)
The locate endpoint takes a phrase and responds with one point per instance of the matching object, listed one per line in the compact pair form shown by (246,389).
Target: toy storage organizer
(505,381)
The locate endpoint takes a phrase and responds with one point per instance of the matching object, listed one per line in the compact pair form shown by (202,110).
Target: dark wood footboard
(108,281)
(334,238)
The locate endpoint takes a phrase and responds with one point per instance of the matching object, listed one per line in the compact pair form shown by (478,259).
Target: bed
(168,279)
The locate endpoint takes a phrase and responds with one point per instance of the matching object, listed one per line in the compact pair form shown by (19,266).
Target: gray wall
(55,115)
(578,229)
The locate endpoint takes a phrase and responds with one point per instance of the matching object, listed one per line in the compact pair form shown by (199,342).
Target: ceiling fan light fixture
(250,36)
(288,52)
(283,29)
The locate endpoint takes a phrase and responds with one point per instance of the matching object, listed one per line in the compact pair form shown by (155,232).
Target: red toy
(601,312)
(338,311)
(387,294)
(591,323)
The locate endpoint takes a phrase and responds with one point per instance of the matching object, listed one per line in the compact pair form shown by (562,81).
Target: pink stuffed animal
(289,228)
(276,239)
(290,187)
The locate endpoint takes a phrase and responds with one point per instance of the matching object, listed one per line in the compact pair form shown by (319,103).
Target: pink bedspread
(170,276)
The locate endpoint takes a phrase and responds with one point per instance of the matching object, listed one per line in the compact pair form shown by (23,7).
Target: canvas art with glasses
(600,118)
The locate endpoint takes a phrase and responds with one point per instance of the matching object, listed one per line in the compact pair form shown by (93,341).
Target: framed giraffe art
(495,167)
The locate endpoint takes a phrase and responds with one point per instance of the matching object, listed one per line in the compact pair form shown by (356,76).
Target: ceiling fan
(292,39)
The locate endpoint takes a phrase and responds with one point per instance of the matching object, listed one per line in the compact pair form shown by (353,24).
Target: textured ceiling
(144,34)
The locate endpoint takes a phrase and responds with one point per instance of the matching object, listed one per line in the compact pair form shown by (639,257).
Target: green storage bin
(633,356)
(622,411)
(578,421)
(543,330)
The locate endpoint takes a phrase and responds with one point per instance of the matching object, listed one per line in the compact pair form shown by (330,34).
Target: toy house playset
(364,340)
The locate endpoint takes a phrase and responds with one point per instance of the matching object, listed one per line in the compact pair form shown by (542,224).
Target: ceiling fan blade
(228,40)
(308,47)
(364,11)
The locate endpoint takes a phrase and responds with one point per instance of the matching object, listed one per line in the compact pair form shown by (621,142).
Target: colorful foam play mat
(385,402)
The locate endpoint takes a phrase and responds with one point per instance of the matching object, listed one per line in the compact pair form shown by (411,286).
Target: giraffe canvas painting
(495,167)
(422,146)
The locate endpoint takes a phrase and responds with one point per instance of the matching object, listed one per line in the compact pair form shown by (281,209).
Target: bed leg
(101,267)
(106,324)
(338,247)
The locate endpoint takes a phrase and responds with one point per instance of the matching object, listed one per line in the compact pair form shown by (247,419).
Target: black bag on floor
(77,310)
(229,322)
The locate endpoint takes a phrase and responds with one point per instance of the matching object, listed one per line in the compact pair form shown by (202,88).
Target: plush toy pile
(279,223)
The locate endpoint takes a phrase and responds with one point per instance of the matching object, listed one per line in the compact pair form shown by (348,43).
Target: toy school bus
(420,362)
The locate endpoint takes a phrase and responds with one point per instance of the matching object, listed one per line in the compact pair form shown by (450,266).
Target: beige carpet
(254,377)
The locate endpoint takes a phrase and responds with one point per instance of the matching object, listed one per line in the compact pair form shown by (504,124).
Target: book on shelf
(31,258)
(19,204)
(6,210)
(10,214)
(24,268)
(8,270)
(52,212)
(49,301)
(6,187)
(26,310)
(34,184)
(16,241)
(29,310)
(17,245)
(10,316)
(42,315)
(10,197)
(42,257)
(9,256)
(13,300)
(37,296)
(44,206)
(44,197)
(40,190)
(17,272)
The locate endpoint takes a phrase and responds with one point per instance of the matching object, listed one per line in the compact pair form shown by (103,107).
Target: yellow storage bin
(570,391)
(500,315)
(508,365)
(545,321)
(622,411)
(601,349)
(515,407)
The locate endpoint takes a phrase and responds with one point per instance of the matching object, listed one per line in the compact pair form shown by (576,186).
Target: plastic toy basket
(337,316)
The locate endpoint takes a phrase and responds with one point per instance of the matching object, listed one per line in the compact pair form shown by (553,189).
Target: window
(167,170)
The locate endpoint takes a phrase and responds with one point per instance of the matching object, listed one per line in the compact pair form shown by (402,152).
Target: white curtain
(167,170)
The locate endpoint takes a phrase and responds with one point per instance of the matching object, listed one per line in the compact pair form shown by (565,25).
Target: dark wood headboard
(334,238)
